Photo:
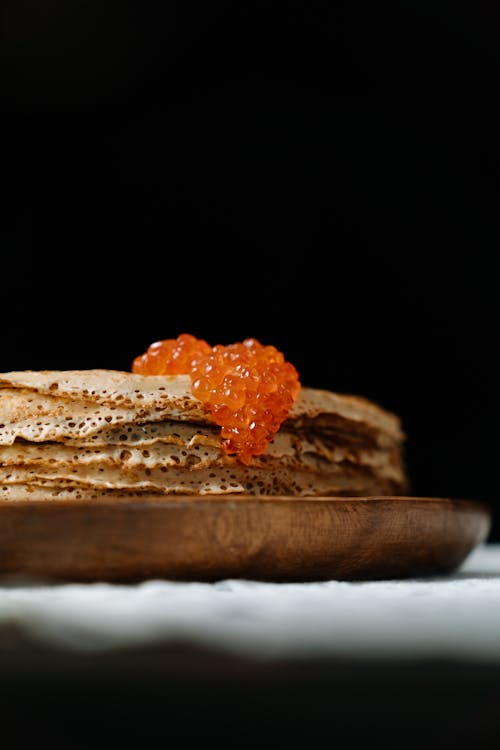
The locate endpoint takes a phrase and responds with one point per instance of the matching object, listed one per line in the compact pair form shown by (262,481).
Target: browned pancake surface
(92,431)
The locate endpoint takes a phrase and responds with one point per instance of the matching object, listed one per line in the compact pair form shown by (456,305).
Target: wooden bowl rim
(180,499)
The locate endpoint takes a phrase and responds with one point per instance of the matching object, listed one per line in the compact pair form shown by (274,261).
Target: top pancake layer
(66,403)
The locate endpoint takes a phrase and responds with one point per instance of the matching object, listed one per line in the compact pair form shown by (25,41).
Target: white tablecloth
(448,616)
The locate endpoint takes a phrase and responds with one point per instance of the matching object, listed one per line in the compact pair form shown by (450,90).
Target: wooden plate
(278,538)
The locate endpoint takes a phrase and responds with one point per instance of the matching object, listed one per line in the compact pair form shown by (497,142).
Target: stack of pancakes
(94,433)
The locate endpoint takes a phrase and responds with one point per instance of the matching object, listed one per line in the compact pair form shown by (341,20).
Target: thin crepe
(171,394)
(105,431)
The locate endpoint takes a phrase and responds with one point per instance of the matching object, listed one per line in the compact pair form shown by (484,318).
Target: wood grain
(264,538)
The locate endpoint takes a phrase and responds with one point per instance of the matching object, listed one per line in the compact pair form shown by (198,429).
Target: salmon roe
(171,356)
(247,387)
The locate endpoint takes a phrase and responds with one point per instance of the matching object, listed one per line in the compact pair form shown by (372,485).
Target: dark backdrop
(321,176)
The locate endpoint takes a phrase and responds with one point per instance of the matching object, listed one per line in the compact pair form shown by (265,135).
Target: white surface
(450,616)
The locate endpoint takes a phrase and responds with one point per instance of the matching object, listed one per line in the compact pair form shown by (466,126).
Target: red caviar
(171,356)
(247,387)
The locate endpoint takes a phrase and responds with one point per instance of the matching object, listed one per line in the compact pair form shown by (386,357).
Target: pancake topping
(247,387)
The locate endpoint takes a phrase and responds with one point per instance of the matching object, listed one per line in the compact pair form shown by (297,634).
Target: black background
(321,176)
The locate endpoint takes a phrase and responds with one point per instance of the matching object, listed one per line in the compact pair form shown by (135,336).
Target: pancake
(171,394)
(83,433)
